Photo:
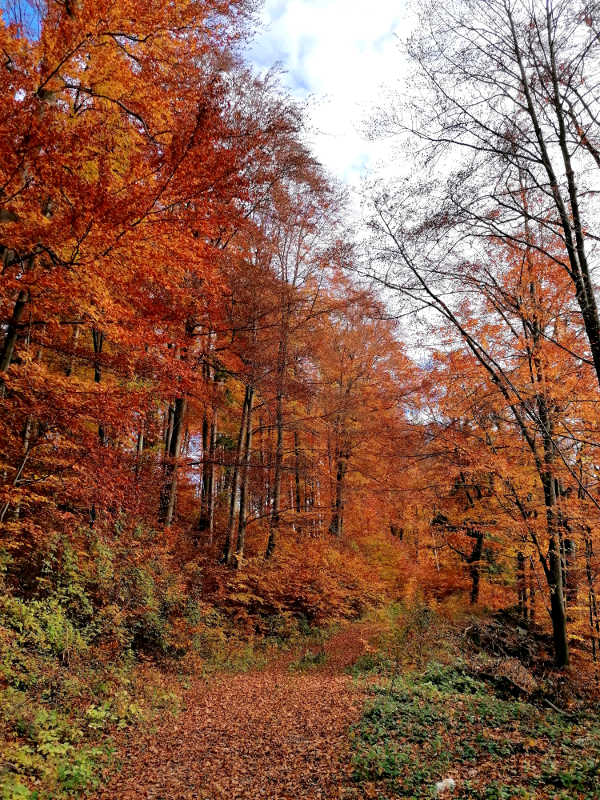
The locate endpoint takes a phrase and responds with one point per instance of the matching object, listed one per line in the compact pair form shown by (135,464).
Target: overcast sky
(338,54)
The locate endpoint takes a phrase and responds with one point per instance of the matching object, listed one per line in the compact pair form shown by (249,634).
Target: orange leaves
(275,733)
(123,173)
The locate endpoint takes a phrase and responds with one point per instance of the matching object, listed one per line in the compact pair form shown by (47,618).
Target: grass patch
(444,722)
(310,659)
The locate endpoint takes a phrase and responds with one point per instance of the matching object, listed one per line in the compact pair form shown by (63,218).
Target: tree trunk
(203,521)
(168,430)
(531,590)
(264,475)
(241,542)
(10,339)
(211,475)
(475,567)
(71,361)
(336,526)
(594,618)
(169,490)
(139,449)
(98,340)
(569,573)
(297,472)
(275,513)
(521,586)
(233,498)
(557,607)
(554,572)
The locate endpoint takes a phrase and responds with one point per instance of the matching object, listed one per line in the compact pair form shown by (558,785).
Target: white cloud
(340,55)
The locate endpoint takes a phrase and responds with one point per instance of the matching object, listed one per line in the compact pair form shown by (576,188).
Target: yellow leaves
(89,171)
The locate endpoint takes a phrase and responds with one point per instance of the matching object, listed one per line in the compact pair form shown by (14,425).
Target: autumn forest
(261,450)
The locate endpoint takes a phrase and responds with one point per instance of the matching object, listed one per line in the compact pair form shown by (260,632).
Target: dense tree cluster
(181,350)
(495,237)
(184,349)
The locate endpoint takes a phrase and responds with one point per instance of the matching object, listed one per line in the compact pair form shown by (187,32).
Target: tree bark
(297,472)
(10,339)
(276,494)
(245,470)
(336,526)
(475,567)
(98,340)
(169,490)
(227,556)
(521,586)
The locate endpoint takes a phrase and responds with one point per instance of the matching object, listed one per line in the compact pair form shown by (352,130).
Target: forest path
(273,733)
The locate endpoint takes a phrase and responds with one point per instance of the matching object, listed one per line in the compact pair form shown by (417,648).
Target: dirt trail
(270,734)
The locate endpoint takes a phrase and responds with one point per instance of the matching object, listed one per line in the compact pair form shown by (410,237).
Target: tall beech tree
(506,92)
(508,318)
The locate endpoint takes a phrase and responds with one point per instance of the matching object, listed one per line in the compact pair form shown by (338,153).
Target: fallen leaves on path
(271,734)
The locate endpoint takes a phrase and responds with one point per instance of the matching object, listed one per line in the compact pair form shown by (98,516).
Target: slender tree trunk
(276,509)
(569,572)
(297,472)
(245,469)
(203,522)
(307,490)
(557,610)
(169,490)
(531,590)
(268,471)
(98,340)
(233,498)
(318,500)
(522,586)
(167,430)
(554,571)
(594,617)
(475,567)
(71,361)
(139,449)
(10,339)
(336,526)
(261,460)
(330,468)
(291,505)
(212,483)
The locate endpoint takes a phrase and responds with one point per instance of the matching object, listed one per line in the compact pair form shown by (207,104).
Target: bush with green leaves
(445,721)
(66,657)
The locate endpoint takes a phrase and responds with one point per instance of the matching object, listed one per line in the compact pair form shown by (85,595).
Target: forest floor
(343,720)
(277,733)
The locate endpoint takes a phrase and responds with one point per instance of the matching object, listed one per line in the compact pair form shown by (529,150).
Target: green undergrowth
(310,644)
(437,721)
(310,659)
(62,699)
(98,644)
(220,648)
